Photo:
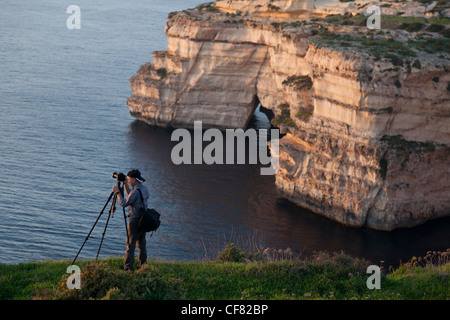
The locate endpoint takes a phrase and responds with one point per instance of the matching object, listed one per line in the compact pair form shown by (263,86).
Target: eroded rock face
(366,133)
(261,8)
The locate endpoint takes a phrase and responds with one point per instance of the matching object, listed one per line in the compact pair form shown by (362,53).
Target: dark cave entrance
(260,118)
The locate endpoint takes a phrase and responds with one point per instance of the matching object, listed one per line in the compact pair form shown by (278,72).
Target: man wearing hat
(132,185)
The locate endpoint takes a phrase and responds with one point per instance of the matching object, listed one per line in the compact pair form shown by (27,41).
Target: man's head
(134,177)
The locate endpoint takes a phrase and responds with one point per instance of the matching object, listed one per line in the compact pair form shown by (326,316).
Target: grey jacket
(134,200)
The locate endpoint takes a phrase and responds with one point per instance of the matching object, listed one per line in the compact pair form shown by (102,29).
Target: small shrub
(113,294)
(285,118)
(272,7)
(208,6)
(434,262)
(435,28)
(414,27)
(396,61)
(383,167)
(299,82)
(432,45)
(340,261)
(99,282)
(399,144)
(162,73)
(304,115)
(417,64)
(272,254)
(387,110)
(231,254)
(446,33)
(172,14)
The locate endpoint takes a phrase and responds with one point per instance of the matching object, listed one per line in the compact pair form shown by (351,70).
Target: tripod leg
(124,215)
(113,208)
(101,212)
(113,205)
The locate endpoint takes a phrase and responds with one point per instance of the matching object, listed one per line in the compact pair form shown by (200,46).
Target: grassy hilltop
(234,276)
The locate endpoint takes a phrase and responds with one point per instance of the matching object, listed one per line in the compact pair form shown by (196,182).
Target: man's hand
(115,188)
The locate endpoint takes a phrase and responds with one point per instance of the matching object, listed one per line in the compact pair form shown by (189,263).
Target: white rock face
(367,141)
(264,5)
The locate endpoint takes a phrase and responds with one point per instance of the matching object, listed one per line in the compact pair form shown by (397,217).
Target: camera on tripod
(119,176)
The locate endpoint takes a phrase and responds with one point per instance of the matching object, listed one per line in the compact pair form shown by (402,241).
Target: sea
(65,128)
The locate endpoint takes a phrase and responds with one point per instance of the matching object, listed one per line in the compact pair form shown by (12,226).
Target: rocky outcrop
(365,118)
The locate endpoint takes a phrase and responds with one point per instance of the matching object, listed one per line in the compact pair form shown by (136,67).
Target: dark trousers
(135,237)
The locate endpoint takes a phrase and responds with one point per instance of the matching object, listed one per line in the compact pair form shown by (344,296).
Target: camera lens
(119,176)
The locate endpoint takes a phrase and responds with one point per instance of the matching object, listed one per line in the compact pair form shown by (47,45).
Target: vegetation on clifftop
(284,119)
(233,275)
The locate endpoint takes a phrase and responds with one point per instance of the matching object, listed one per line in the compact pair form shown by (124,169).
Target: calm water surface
(65,128)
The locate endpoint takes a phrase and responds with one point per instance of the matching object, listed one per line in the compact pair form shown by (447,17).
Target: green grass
(23,280)
(387,21)
(400,19)
(324,276)
(399,53)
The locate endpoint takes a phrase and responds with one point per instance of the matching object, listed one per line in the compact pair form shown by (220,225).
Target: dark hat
(135,173)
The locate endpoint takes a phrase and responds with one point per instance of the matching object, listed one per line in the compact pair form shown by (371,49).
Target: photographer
(132,183)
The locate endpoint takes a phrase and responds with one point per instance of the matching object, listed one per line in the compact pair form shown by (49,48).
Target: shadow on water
(390,247)
(204,206)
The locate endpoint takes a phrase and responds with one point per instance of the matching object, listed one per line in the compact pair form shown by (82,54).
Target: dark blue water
(65,128)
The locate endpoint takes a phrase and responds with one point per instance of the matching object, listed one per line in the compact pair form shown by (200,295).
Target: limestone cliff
(365,113)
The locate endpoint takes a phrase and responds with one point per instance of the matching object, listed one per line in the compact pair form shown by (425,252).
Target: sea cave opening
(261,117)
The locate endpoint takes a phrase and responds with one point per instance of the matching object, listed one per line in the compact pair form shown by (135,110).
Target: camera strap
(142,198)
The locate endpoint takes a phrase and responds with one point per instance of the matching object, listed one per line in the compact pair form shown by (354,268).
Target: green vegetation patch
(284,119)
(209,7)
(396,21)
(403,148)
(431,45)
(299,82)
(345,20)
(162,72)
(324,275)
(304,115)
(397,52)
(25,280)
(398,143)
(410,24)
(389,22)
(383,167)
(378,48)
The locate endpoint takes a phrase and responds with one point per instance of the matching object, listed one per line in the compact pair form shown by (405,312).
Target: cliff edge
(365,114)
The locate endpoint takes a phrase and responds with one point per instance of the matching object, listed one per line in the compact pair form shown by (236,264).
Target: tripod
(111,212)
